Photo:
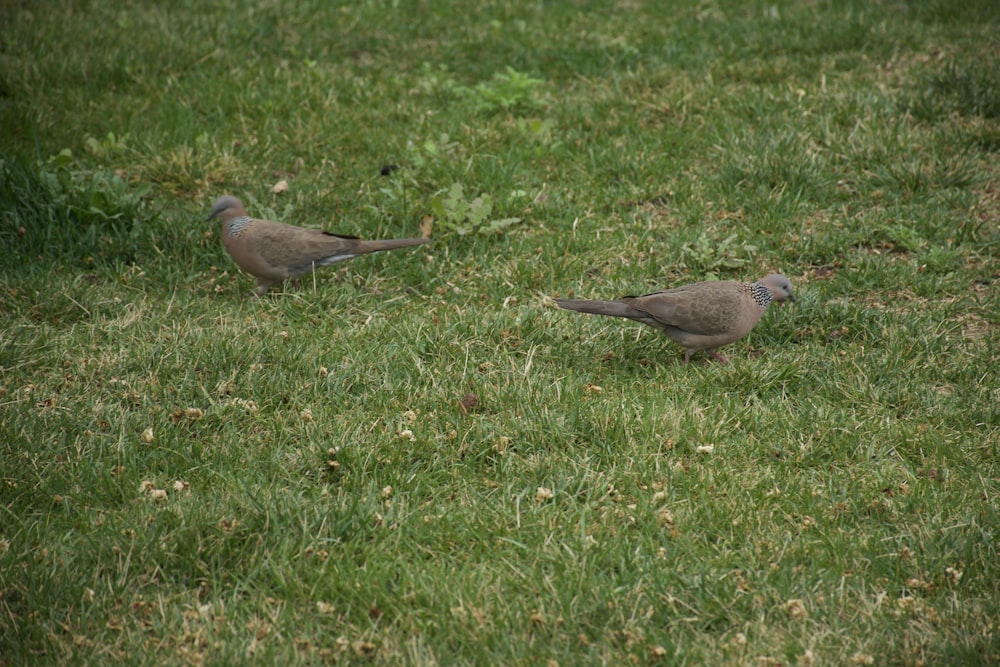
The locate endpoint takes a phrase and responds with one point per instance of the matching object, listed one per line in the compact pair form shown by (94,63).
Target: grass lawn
(416,458)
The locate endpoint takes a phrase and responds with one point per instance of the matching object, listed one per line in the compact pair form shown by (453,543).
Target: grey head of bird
(223,204)
(779,286)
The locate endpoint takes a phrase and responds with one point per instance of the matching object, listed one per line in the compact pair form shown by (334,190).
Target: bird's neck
(760,294)
(237,226)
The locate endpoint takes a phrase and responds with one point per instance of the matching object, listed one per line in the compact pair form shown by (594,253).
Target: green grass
(189,475)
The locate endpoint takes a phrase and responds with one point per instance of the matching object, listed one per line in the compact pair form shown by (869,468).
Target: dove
(273,252)
(698,316)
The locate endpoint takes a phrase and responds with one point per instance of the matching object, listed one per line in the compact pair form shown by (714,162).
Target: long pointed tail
(389,244)
(610,308)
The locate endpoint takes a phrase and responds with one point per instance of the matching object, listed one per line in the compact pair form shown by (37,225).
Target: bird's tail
(390,244)
(610,308)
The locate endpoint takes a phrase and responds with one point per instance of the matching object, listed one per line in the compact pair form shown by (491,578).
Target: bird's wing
(698,310)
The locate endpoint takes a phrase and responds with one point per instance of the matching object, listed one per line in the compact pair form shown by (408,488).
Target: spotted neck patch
(237,226)
(760,294)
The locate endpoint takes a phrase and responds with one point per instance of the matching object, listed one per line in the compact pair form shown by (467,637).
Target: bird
(273,252)
(697,316)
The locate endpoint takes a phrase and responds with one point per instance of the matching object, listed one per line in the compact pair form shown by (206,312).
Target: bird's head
(226,205)
(779,286)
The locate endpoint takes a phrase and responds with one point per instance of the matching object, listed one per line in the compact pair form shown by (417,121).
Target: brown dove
(699,316)
(273,251)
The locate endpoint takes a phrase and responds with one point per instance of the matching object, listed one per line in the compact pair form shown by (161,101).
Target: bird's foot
(718,357)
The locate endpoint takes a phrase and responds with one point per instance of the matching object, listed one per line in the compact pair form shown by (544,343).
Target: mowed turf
(416,458)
